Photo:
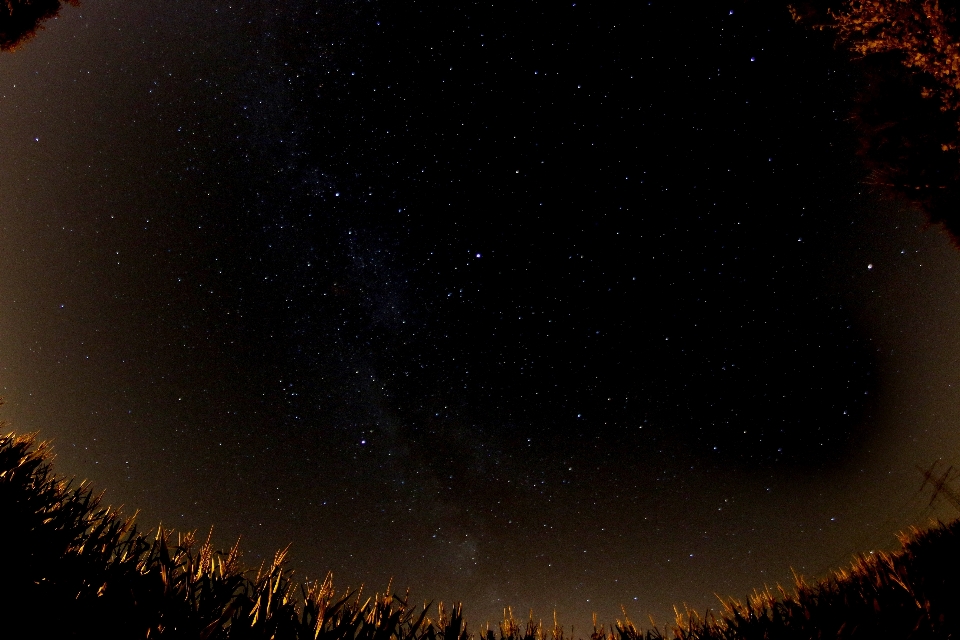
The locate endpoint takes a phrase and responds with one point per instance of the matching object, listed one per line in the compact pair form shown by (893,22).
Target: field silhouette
(75,568)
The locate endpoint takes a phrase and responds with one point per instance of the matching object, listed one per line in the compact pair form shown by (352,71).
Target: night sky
(554,305)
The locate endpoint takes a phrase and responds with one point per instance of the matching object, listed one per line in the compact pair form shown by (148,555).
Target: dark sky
(551,305)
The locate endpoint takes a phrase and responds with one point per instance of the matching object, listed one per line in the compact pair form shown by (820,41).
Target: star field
(562,306)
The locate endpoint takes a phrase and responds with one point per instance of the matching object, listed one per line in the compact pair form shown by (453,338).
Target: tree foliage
(908,111)
(21,19)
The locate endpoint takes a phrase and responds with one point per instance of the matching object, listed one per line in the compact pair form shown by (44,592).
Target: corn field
(75,568)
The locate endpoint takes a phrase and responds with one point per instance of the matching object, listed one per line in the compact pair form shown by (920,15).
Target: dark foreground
(75,568)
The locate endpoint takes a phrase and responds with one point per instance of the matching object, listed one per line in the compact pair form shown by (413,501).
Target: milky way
(551,306)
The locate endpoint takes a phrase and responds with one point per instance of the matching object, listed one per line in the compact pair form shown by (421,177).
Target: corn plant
(75,568)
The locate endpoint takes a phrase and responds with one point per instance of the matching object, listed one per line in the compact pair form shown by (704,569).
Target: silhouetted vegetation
(75,568)
(21,19)
(908,112)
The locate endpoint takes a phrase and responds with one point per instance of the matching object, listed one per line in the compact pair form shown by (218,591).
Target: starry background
(554,305)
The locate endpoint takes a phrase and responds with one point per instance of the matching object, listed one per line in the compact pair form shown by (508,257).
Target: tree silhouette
(908,111)
(21,19)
